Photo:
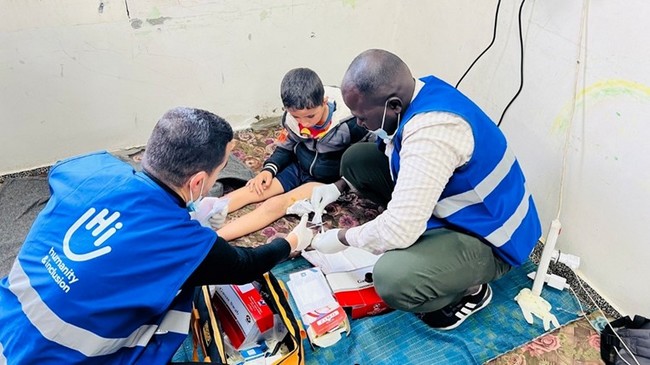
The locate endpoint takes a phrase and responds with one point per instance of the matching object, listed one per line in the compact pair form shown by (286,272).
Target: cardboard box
(244,315)
(354,292)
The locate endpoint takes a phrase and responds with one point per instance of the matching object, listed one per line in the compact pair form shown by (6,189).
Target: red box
(352,291)
(244,315)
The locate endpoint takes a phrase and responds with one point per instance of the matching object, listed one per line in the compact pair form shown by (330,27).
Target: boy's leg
(366,169)
(435,271)
(240,198)
(244,195)
(268,212)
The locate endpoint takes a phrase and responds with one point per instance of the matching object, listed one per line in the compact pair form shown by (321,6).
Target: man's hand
(260,182)
(302,234)
(324,195)
(328,242)
(218,220)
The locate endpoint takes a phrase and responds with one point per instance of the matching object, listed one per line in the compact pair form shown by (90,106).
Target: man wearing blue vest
(458,213)
(107,271)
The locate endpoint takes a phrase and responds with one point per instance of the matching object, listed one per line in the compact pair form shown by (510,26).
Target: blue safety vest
(99,277)
(487,197)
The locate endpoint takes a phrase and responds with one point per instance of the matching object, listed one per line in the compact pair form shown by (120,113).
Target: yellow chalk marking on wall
(602,90)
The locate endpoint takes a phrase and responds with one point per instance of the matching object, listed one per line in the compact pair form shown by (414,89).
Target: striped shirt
(434,144)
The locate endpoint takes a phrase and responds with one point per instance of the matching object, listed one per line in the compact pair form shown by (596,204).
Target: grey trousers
(439,267)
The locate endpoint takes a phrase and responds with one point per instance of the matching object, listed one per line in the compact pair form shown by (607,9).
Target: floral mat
(574,343)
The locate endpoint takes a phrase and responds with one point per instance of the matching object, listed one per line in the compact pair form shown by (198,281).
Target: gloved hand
(303,234)
(210,207)
(532,304)
(322,196)
(218,220)
(328,242)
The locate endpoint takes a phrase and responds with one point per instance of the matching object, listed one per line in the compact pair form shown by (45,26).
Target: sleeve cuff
(270,168)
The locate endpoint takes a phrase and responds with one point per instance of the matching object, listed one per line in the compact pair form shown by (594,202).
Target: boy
(317,129)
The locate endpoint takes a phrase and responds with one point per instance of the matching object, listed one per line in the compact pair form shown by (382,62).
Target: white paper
(349,280)
(347,260)
(310,290)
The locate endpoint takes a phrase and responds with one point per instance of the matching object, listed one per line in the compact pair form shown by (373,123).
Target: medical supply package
(349,275)
(355,292)
(323,317)
(246,318)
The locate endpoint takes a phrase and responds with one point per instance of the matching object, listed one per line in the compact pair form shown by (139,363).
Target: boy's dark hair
(184,142)
(301,88)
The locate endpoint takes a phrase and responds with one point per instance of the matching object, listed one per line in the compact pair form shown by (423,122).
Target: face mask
(381,133)
(193,205)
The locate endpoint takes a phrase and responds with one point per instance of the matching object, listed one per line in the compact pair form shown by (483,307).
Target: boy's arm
(279,159)
(283,154)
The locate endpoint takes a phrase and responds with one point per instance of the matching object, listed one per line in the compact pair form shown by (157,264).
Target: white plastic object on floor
(532,305)
(552,280)
(530,301)
(569,260)
(544,261)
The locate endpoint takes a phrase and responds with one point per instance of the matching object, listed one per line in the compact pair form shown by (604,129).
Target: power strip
(552,280)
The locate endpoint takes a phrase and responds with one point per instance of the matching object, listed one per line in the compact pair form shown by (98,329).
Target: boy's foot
(452,315)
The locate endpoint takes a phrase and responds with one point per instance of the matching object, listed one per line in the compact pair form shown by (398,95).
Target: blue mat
(400,338)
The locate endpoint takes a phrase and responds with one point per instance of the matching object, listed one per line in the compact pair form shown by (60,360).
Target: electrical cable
(494,36)
(605,316)
(521,65)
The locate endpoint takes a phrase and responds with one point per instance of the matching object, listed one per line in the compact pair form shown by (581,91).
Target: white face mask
(381,133)
(193,205)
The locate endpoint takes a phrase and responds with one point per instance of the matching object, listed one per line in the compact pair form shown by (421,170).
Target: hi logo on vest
(97,224)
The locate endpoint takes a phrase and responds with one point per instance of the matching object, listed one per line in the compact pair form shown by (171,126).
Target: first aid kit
(265,328)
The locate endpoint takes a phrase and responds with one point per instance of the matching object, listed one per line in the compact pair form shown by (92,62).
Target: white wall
(74,79)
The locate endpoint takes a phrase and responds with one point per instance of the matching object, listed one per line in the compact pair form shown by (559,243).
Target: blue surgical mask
(193,205)
(381,133)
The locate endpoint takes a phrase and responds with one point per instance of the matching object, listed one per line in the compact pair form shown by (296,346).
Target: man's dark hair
(374,71)
(186,141)
(301,88)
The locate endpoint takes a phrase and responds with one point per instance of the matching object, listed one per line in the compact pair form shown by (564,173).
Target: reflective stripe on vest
(55,329)
(3,359)
(452,204)
(503,234)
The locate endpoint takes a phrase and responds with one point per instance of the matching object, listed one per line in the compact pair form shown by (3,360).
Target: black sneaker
(454,314)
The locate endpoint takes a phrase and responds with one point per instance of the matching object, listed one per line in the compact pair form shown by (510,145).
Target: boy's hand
(260,182)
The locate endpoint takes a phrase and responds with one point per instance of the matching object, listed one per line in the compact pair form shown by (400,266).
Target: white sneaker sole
(468,312)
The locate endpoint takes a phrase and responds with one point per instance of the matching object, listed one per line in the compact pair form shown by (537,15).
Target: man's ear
(395,104)
(197,180)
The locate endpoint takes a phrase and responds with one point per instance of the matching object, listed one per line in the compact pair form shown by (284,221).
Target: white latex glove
(328,242)
(209,207)
(322,196)
(534,305)
(303,234)
(218,220)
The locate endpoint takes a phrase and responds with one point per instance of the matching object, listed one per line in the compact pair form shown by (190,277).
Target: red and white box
(245,317)
(355,292)
(323,317)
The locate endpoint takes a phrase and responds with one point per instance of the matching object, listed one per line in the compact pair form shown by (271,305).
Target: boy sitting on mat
(317,129)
